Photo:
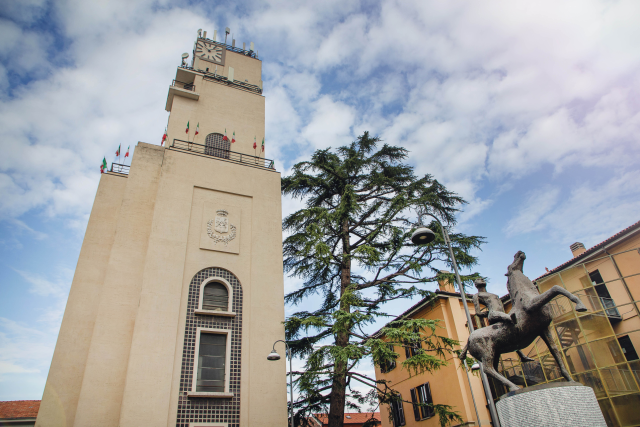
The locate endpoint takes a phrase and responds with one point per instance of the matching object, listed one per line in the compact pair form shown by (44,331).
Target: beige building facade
(177,296)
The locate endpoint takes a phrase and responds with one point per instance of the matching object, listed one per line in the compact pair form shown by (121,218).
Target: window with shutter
(419,396)
(215,297)
(211,363)
(397,410)
(387,367)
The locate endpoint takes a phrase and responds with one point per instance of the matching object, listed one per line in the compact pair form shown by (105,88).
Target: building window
(412,348)
(422,395)
(215,145)
(397,411)
(216,295)
(211,367)
(628,349)
(387,367)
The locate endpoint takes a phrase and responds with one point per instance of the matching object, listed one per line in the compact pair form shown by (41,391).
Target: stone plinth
(561,404)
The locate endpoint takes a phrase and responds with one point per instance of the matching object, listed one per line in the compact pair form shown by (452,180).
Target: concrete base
(561,404)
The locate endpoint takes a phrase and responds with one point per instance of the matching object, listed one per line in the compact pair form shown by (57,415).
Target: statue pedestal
(559,404)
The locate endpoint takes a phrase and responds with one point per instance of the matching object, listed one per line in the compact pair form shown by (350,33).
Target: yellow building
(601,346)
(448,385)
(177,297)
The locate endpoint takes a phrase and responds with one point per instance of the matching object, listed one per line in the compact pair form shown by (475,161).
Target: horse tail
(463,353)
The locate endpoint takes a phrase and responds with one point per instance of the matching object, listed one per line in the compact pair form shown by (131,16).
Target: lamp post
(275,356)
(422,236)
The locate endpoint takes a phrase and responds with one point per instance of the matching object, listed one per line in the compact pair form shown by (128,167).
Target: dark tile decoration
(199,409)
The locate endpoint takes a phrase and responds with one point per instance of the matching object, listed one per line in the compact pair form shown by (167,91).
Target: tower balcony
(185,89)
(222,154)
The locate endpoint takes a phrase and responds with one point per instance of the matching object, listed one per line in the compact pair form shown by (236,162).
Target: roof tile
(19,409)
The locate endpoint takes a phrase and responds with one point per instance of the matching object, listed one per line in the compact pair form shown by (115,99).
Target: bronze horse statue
(530,318)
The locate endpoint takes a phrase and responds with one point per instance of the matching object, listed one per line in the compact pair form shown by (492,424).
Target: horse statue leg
(539,301)
(548,340)
(488,365)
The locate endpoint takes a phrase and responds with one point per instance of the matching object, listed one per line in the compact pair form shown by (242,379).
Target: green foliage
(351,247)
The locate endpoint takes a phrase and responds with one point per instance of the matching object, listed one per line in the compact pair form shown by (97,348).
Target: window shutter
(215,297)
(416,408)
(428,399)
(401,411)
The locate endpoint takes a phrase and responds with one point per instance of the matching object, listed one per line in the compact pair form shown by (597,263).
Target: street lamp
(422,236)
(275,356)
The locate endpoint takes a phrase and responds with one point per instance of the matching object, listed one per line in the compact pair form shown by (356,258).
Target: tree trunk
(338,389)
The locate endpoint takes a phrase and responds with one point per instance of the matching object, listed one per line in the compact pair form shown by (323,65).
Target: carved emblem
(219,226)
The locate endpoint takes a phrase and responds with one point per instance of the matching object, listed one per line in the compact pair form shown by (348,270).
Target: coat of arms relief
(219,229)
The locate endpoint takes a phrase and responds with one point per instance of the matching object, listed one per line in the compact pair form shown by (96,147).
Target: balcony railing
(120,168)
(222,154)
(594,303)
(238,84)
(183,85)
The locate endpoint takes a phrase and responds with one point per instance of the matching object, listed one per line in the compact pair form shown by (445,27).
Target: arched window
(215,297)
(214,145)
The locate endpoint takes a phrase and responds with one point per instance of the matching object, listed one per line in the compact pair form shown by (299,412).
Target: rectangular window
(211,368)
(397,410)
(422,395)
(387,367)
(211,363)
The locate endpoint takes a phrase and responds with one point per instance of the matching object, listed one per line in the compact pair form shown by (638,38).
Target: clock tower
(177,296)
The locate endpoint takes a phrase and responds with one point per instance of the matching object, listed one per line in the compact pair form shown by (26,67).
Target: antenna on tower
(226,33)
(184,58)
(199,32)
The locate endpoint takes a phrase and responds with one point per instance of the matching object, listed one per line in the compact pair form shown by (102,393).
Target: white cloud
(589,213)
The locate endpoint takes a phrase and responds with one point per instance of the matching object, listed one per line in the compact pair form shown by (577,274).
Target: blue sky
(529,110)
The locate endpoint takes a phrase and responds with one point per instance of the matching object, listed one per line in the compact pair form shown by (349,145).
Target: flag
(187,131)
(197,128)
(254,143)
(103,166)
(233,138)
(164,137)
(262,144)
(224,138)
(118,152)
(127,155)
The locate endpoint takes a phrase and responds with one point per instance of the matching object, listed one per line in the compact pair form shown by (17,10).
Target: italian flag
(118,152)
(254,143)
(164,137)
(127,155)
(187,131)
(103,166)
(233,138)
(262,144)
(197,128)
(224,138)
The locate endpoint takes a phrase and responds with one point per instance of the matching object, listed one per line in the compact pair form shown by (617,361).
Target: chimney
(577,249)
(445,285)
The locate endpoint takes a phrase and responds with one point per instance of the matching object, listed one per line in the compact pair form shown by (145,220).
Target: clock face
(209,52)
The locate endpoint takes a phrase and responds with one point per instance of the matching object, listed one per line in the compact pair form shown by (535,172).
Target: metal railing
(183,85)
(120,168)
(221,79)
(244,52)
(222,154)
(561,306)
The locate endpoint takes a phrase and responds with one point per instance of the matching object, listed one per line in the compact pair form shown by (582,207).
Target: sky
(528,110)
